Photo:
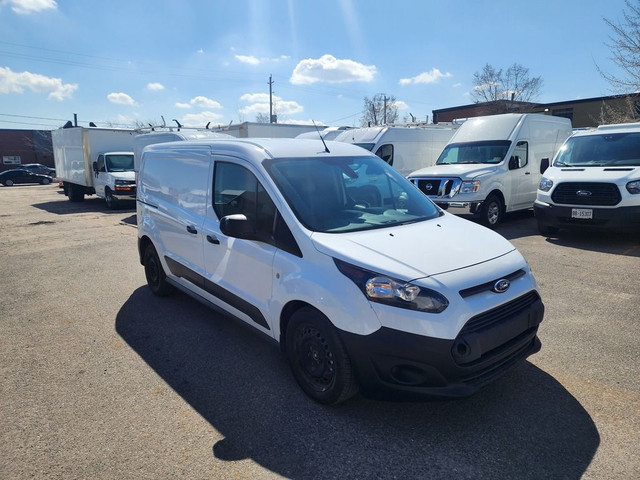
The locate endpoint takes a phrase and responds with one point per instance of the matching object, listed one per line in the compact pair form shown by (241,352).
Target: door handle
(191,229)
(213,239)
(527,173)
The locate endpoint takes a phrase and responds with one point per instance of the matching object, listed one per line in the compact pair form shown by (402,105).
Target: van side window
(522,151)
(237,191)
(385,152)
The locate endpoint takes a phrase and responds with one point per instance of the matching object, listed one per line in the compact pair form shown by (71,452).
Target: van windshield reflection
(490,152)
(344,194)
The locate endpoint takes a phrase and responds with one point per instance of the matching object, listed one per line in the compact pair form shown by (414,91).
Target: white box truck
(406,149)
(95,161)
(594,182)
(493,164)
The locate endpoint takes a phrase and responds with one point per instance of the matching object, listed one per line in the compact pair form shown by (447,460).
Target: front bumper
(391,364)
(619,218)
(124,193)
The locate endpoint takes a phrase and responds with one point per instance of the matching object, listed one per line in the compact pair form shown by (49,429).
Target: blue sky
(118,62)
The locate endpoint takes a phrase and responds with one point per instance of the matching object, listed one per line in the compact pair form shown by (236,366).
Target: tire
(547,230)
(8,183)
(45,181)
(75,193)
(112,202)
(491,211)
(318,359)
(156,278)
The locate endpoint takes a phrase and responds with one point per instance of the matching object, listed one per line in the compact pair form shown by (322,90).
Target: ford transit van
(327,250)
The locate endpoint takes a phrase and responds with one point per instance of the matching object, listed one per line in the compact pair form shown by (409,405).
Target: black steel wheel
(156,278)
(318,359)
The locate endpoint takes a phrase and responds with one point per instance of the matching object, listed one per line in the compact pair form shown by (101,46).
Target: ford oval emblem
(501,285)
(583,193)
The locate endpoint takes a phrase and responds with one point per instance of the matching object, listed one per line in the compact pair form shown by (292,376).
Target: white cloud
(155,86)
(248,59)
(252,60)
(331,70)
(204,102)
(426,77)
(400,105)
(200,120)
(457,85)
(183,105)
(16,82)
(200,51)
(121,99)
(27,7)
(259,103)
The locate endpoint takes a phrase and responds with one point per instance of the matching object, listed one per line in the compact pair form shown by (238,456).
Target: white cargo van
(394,296)
(404,148)
(493,164)
(594,182)
(95,161)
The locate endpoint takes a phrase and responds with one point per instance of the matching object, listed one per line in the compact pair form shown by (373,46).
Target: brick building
(18,147)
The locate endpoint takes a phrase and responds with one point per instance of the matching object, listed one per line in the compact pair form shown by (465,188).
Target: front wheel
(318,359)
(547,230)
(156,278)
(112,202)
(8,183)
(491,211)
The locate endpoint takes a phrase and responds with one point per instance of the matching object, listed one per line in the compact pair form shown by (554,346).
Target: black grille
(499,314)
(586,193)
(430,187)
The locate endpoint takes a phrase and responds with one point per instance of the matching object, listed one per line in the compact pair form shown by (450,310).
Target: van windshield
(345,194)
(615,149)
(119,163)
(492,151)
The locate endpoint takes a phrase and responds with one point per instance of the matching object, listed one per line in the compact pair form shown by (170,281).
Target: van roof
(260,148)
(499,127)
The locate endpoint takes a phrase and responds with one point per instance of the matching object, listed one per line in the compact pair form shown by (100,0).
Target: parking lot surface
(100,379)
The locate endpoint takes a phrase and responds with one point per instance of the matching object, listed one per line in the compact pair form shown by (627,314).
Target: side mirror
(514,162)
(237,226)
(544,164)
(95,167)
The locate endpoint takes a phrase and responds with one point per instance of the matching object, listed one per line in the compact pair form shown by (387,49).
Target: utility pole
(272,117)
(384,114)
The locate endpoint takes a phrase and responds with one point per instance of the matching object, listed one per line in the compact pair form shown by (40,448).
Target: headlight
(545,184)
(390,291)
(634,187)
(470,187)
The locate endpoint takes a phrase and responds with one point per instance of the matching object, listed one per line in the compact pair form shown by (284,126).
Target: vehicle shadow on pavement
(88,205)
(525,425)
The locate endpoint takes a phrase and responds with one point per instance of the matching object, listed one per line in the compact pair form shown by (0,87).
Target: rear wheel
(318,359)
(45,181)
(156,278)
(491,211)
(75,193)
(8,183)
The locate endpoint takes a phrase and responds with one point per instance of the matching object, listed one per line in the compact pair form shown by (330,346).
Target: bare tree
(379,110)
(624,43)
(513,84)
(262,118)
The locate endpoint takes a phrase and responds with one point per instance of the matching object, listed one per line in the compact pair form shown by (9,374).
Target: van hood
(469,170)
(131,175)
(620,175)
(417,250)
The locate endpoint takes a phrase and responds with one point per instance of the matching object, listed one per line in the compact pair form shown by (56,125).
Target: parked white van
(384,292)
(493,164)
(404,148)
(594,182)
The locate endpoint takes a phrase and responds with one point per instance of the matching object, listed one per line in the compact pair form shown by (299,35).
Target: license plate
(584,213)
